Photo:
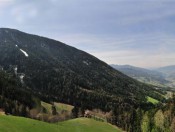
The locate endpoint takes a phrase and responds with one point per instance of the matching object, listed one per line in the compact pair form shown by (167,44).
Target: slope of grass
(145,123)
(88,125)
(20,124)
(61,106)
(152,100)
(47,106)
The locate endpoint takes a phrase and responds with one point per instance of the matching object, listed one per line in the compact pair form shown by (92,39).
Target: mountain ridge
(67,58)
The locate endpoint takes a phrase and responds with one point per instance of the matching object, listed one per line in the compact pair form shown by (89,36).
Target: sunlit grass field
(20,124)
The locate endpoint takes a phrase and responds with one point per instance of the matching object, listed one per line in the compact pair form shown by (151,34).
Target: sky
(134,32)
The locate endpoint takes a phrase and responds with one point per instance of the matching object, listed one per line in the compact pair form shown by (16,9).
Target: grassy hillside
(19,124)
(152,100)
(62,106)
(59,107)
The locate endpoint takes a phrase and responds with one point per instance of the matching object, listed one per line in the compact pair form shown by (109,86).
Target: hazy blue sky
(136,32)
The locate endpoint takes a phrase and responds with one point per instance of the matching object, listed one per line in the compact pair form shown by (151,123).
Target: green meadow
(20,124)
(152,100)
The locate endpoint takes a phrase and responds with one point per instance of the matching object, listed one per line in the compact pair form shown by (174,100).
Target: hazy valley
(163,76)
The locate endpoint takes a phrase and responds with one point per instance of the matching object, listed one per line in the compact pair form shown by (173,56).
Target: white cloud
(136,58)
(33,12)
(134,19)
(4,4)
(24,12)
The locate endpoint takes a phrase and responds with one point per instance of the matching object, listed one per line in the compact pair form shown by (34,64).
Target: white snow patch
(16,45)
(21,76)
(1,68)
(25,53)
(16,69)
(85,62)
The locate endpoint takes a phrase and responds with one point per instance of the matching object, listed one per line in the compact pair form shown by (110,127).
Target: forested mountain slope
(53,71)
(14,99)
(64,73)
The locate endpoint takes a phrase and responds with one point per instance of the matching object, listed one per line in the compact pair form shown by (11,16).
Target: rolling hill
(169,72)
(166,69)
(163,77)
(20,124)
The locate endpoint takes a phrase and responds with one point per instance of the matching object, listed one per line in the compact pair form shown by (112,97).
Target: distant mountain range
(164,76)
(169,73)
